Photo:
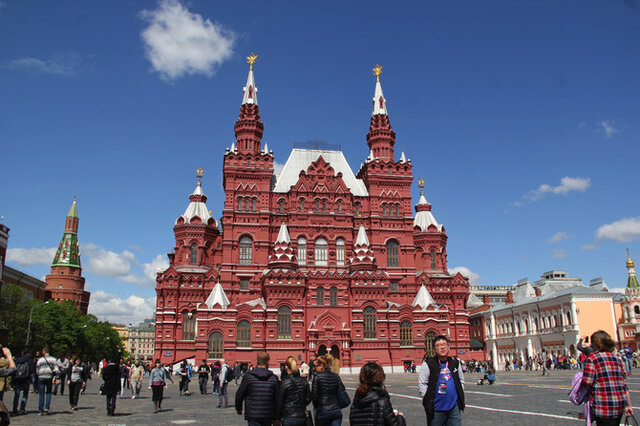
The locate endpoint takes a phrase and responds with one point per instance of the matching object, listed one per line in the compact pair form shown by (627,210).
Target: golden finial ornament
(377,71)
(421,185)
(251,59)
(200,172)
(630,263)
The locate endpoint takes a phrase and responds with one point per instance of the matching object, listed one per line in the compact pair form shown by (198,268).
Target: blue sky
(522,117)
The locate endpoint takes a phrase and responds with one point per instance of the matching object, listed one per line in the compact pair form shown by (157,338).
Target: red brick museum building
(311,260)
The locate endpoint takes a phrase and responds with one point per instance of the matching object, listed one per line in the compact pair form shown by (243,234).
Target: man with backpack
(25,366)
(226,375)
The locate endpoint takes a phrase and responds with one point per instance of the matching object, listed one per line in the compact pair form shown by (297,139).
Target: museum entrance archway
(429,341)
(322,350)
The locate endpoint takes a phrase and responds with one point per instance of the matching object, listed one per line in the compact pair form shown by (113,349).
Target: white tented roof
(424,218)
(217,297)
(424,299)
(196,208)
(301,159)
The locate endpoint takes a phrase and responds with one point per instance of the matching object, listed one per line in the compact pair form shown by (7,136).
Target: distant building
(123,332)
(65,281)
(141,338)
(629,310)
(37,288)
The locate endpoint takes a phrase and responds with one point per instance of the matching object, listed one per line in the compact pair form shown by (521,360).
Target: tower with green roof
(65,281)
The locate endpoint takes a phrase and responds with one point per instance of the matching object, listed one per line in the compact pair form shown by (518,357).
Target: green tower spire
(632,281)
(68,253)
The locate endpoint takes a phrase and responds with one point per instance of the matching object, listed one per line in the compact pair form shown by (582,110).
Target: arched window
(340,252)
(317,205)
(239,204)
(397,209)
(432,254)
(246,255)
(254,204)
(320,296)
(324,205)
(369,315)
(321,252)
(302,251)
(406,336)
(194,254)
(357,209)
(302,205)
(339,205)
(333,296)
(284,322)
(215,345)
(244,334)
(281,206)
(188,325)
(392,254)
(636,309)
(429,341)
(384,210)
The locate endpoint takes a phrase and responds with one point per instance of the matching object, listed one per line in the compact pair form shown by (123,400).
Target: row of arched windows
(391,209)
(247,204)
(284,331)
(321,248)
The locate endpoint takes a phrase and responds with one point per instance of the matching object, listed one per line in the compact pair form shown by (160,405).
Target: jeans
(44,387)
(202,380)
(136,385)
(223,395)
(294,421)
(20,387)
(122,381)
(329,418)
(259,422)
(184,385)
(627,364)
(452,417)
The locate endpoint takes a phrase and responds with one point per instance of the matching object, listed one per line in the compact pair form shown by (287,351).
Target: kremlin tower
(629,323)
(65,281)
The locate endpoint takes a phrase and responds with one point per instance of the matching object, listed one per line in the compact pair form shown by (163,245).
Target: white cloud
(107,263)
(178,42)
(159,263)
(131,310)
(559,236)
(589,247)
(31,256)
(559,254)
(608,128)
(65,65)
(277,168)
(618,290)
(623,231)
(567,184)
(473,277)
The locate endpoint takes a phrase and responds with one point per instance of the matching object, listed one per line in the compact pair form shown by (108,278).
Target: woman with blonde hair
(294,396)
(605,373)
(324,393)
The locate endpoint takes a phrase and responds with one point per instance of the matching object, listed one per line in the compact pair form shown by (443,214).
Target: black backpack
(229,376)
(22,371)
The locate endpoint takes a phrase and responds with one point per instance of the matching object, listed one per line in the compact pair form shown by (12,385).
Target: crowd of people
(264,398)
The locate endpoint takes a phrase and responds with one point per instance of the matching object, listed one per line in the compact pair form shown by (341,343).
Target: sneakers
(133,397)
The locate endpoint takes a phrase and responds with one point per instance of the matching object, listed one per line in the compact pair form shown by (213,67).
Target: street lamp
(29,325)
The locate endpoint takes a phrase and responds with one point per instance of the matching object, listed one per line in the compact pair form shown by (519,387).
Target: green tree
(16,304)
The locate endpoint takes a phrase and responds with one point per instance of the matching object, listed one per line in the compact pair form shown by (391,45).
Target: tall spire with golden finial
(379,102)
(632,280)
(250,90)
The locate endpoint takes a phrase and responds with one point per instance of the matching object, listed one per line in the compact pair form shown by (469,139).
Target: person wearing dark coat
(324,393)
(372,405)
(111,385)
(294,396)
(259,392)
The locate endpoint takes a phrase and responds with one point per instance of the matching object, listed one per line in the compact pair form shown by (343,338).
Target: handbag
(630,421)
(309,418)
(343,396)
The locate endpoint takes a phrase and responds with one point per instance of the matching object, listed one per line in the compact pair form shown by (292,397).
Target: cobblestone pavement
(523,398)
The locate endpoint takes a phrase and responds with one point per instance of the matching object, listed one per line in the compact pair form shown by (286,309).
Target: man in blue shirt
(441,385)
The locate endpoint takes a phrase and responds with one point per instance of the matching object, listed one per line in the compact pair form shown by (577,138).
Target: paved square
(523,398)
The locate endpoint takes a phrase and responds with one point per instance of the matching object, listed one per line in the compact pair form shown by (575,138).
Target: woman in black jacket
(371,405)
(324,393)
(294,396)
